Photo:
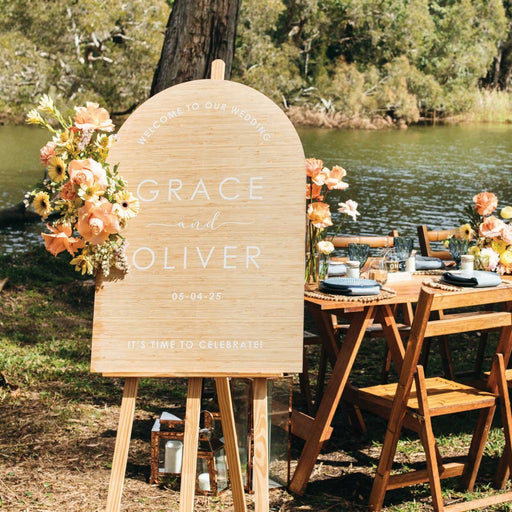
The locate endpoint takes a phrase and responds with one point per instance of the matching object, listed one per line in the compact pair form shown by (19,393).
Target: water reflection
(423,175)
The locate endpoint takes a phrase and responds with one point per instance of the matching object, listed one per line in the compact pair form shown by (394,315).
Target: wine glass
(359,252)
(378,271)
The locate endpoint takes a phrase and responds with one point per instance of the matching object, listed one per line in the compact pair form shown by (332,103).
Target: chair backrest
(425,237)
(452,322)
(341,242)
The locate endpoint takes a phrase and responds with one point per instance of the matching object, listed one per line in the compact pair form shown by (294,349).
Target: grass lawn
(58,421)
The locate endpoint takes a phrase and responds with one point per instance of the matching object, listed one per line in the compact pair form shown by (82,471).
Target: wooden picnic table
(317,430)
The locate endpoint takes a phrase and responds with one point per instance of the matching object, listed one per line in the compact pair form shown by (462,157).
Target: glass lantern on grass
(167,453)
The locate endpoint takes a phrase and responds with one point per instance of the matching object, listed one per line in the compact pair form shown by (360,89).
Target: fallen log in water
(17,214)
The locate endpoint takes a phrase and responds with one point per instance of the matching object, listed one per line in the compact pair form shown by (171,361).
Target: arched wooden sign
(216,253)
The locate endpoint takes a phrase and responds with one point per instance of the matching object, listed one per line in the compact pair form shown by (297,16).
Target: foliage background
(345,60)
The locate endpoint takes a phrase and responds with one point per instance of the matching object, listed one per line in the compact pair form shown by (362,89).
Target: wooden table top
(407,290)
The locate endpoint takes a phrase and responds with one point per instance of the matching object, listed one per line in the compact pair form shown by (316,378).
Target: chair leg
(446,357)
(479,360)
(305,387)
(429,443)
(505,464)
(322,369)
(386,365)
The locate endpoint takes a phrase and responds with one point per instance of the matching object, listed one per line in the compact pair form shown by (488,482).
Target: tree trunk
(198,32)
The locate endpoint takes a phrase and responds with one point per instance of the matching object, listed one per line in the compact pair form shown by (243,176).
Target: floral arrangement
(490,236)
(320,181)
(82,198)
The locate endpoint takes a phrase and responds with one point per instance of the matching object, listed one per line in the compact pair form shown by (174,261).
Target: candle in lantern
(203,481)
(173,456)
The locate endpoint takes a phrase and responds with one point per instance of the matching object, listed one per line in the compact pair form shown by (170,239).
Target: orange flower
(68,191)
(320,215)
(485,203)
(93,117)
(492,227)
(313,167)
(334,181)
(313,191)
(87,173)
(96,221)
(60,240)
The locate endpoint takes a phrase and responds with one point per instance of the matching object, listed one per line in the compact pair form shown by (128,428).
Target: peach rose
(491,227)
(334,181)
(93,117)
(313,167)
(96,221)
(485,203)
(47,152)
(87,172)
(320,215)
(506,234)
(60,240)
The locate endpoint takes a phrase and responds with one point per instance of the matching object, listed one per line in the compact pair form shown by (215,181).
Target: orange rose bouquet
(319,182)
(490,235)
(82,199)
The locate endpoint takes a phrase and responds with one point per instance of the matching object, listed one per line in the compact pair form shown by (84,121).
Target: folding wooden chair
(374,331)
(415,400)
(426,236)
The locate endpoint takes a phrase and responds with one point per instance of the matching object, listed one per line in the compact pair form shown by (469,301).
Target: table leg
(385,317)
(331,398)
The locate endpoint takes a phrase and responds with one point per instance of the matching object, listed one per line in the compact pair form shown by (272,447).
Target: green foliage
(400,59)
(88,50)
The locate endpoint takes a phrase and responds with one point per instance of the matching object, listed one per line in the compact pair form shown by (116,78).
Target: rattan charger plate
(311,290)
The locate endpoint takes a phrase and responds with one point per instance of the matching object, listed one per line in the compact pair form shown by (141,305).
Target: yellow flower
(499,246)
(57,169)
(506,258)
(82,264)
(90,192)
(506,213)
(465,232)
(34,117)
(46,104)
(127,206)
(42,204)
(475,251)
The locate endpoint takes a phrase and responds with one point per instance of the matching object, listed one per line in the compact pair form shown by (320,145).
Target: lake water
(400,178)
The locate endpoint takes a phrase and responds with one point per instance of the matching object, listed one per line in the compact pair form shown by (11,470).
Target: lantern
(167,453)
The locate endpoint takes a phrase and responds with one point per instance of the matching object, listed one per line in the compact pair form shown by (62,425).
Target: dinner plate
(347,282)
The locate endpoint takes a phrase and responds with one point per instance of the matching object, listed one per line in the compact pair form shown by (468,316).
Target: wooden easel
(191,435)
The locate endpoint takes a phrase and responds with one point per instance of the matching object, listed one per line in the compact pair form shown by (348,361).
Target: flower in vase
(60,239)
(313,167)
(93,117)
(349,208)
(320,215)
(325,247)
(465,232)
(506,213)
(485,203)
(491,227)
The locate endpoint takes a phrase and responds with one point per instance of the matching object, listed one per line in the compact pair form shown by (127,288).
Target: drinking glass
(403,247)
(378,271)
(457,247)
(358,252)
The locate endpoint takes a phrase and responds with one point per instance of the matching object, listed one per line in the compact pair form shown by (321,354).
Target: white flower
(490,258)
(349,208)
(325,247)
(46,103)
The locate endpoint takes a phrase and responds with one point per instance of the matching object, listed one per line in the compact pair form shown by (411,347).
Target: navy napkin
(479,279)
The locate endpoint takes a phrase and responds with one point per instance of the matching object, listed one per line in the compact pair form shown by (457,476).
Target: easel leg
(230,443)
(261,495)
(124,432)
(190,442)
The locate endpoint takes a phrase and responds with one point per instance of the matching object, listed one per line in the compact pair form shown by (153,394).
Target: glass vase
(317,265)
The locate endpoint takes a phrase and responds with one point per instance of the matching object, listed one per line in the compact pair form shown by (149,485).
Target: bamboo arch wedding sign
(217,258)
(215,285)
